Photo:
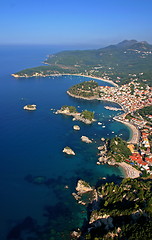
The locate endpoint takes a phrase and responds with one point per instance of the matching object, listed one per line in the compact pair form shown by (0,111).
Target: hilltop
(86,90)
(126,61)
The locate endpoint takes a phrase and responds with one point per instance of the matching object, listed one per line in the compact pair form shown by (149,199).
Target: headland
(37,74)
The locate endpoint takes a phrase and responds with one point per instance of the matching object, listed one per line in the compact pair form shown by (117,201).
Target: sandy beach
(130,172)
(135,132)
(101,79)
(87,76)
(67,74)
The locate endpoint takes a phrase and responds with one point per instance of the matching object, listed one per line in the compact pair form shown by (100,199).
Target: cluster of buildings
(142,155)
(142,53)
(137,159)
(130,96)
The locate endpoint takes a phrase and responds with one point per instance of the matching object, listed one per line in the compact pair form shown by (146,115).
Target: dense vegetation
(87,115)
(30,106)
(145,111)
(85,89)
(128,207)
(84,114)
(71,109)
(122,63)
(45,70)
(118,150)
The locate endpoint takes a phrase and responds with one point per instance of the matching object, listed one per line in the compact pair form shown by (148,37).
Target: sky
(56,22)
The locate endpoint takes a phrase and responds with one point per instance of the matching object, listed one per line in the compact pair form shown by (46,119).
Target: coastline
(80,97)
(101,79)
(134,138)
(129,171)
(135,133)
(76,116)
(67,74)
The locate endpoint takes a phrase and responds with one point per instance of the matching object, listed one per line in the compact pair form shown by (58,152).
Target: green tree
(87,115)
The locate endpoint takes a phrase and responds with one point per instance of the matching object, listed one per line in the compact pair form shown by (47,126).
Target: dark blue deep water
(31,145)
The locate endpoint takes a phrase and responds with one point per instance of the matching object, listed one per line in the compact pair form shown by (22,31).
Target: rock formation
(76,127)
(68,151)
(83,187)
(30,107)
(86,139)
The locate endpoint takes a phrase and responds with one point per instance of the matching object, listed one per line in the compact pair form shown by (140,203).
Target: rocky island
(86,117)
(86,139)
(83,187)
(76,127)
(68,151)
(30,107)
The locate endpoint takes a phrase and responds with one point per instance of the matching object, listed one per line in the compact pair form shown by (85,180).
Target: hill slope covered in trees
(122,63)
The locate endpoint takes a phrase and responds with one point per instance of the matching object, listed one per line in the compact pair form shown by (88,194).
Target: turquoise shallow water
(31,145)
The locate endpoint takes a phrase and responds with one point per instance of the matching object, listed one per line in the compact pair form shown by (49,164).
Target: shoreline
(98,78)
(67,74)
(76,116)
(129,171)
(80,97)
(134,138)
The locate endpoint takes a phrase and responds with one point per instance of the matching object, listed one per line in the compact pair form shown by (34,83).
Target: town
(132,97)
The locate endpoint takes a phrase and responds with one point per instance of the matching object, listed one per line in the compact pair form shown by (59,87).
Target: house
(148,160)
(131,147)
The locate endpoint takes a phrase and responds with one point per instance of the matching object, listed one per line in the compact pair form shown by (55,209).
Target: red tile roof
(136,157)
(148,159)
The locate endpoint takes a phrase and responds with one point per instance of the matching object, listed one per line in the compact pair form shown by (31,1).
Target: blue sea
(34,202)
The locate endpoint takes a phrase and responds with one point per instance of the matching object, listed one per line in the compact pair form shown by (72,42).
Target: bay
(31,145)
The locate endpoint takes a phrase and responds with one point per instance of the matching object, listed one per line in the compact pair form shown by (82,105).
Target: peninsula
(120,63)
(87,90)
(116,211)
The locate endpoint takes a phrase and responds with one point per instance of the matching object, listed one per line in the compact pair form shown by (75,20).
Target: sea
(36,178)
